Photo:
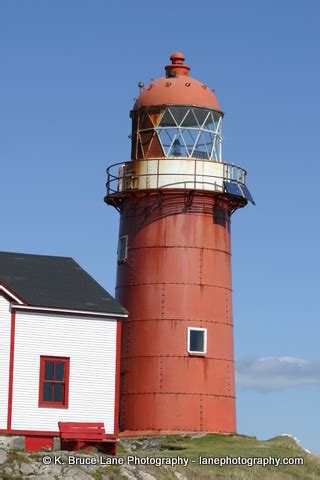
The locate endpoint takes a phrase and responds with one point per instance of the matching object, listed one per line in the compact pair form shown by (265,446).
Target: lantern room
(176,141)
(176,131)
(176,116)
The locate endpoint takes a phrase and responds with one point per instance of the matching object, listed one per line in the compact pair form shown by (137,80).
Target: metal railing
(122,177)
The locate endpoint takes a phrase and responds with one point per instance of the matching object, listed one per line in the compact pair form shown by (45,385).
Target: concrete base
(12,442)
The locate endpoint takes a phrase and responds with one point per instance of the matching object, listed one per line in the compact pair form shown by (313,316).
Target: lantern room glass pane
(190,132)
(166,138)
(200,150)
(177,148)
(209,123)
(167,120)
(190,119)
(201,115)
(178,114)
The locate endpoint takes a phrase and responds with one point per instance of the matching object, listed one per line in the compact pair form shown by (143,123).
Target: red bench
(78,435)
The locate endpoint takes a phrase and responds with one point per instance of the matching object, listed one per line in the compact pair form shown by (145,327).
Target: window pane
(209,122)
(200,150)
(59,372)
(167,120)
(179,113)
(48,370)
(201,114)
(190,120)
(122,248)
(196,341)
(47,392)
(166,138)
(58,392)
(177,149)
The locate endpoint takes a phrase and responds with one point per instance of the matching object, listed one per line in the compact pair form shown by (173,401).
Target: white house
(59,348)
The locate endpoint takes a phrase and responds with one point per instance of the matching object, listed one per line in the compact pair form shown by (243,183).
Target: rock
(3,456)
(76,474)
(26,468)
(12,442)
(45,469)
(16,466)
(45,476)
(125,473)
(8,471)
(56,471)
(180,476)
(146,476)
(56,443)
(18,443)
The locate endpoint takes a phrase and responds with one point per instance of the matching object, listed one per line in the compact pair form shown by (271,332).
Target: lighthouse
(175,198)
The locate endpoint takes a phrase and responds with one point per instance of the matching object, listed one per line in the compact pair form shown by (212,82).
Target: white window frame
(123,259)
(193,352)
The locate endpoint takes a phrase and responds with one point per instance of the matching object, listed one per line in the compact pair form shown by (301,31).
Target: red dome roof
(177,88)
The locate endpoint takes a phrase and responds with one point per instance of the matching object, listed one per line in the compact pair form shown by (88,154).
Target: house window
(123,248)
(197,341)
(54,382)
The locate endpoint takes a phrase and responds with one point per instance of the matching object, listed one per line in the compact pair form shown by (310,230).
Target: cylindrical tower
(175,197)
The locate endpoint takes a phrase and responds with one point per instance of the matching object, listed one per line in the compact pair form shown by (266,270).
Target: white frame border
(122,260)
(192,352)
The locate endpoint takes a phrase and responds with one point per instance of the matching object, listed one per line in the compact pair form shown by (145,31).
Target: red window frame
(65,400)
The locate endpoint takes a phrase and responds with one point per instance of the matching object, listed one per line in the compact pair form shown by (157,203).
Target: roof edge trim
(65,310)
(11,294)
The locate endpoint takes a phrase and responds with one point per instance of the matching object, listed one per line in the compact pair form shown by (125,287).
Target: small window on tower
(123,248)
(197,340)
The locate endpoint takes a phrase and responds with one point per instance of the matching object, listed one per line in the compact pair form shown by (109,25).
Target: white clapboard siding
(91,345)
(5,330)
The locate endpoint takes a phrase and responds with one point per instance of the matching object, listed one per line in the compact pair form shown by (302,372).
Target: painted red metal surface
(78,435)
(37,443)
(180,89)
(177,275)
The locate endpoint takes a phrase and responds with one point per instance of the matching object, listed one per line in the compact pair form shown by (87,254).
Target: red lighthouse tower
(175,197)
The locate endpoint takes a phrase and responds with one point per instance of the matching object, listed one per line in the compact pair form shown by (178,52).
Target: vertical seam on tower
(201,266)
(161,373)
(162,300)
(128,342)
(228,377)
(227,306)
(131,267)
(201,412)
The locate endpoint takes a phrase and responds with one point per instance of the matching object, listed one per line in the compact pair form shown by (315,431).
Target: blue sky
(69,73)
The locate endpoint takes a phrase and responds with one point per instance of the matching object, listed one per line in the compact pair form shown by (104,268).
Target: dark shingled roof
(56,282)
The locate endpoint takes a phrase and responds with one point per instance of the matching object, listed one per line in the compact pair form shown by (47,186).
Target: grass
(19,457)
(192,447)
(222,446)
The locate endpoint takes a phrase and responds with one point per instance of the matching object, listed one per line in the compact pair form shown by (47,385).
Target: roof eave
(91,313)
(11,293)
